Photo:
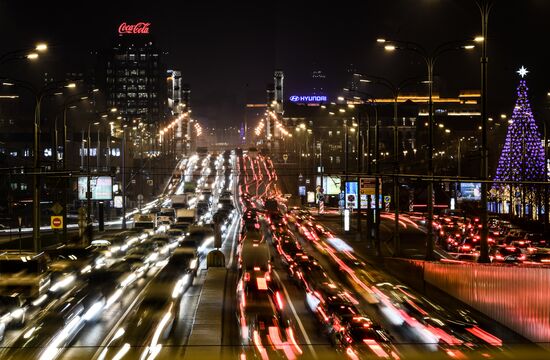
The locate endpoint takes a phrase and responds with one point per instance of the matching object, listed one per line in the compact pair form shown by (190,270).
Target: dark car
(289,249)
(507,254)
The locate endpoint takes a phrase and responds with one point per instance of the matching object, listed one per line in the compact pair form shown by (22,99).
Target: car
(13,309)
(506,254)
(308,272)
(175,234)
(289,249)
(537,240)
(468,245)
(515,234)
(116,244)
(362,338)
(525,246)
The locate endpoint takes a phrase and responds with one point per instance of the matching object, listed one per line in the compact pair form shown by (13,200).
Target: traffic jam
(359,311)
(460,234)
(119,297)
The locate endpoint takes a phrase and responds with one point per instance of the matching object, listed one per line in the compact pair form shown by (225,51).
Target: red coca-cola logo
(139,28)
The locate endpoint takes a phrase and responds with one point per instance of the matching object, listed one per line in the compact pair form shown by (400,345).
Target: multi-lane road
(321,292)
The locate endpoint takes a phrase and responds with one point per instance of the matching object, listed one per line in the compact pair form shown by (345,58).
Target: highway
(146,307)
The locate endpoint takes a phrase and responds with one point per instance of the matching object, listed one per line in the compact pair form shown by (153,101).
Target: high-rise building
(135,76)
(353,80)
(318,81)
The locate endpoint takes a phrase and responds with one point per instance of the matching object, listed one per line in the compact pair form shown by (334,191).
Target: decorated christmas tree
(522,157)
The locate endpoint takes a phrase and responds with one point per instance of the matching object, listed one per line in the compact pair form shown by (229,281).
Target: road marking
(300,325)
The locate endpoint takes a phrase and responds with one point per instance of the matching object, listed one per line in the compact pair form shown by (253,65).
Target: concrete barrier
(516,296)
(205,339)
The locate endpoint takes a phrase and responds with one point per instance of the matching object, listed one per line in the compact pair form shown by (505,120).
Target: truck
(190,186)
(185,218)
(24,273)
(146,221)
(179,201)
(166,216)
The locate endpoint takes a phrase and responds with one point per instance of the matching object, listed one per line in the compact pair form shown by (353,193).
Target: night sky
(228,53)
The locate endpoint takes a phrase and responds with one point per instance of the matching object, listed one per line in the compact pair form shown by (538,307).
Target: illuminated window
(47,152)
(23,186)
(13,153)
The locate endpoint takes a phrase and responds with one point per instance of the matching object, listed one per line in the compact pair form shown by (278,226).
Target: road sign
(308,181)
(302,190)
(118,201)
(310,196)
(56,208)
(351,196)
(387,199)
(150,182)
(56,222)
(367,186)
(285,157)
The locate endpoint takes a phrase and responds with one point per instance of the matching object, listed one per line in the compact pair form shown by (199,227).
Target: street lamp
(395,91)
(39,94)
(484,10)
(370,99)
(430,59)
(27,53)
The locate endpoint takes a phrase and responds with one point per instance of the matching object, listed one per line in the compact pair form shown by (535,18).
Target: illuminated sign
(308,98)
(351,194)
(139,28)
(100,186)
(330,185)
(469,191)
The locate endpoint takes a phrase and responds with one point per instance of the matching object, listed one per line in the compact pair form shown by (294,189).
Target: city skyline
(229,53)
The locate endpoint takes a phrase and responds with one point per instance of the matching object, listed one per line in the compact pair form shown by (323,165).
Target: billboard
(330,185)
(470,191)
(101,187)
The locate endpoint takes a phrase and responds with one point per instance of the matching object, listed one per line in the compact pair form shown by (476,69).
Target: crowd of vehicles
(70,288)
(460,235)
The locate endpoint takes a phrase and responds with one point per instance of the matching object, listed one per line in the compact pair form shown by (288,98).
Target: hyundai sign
(308,99)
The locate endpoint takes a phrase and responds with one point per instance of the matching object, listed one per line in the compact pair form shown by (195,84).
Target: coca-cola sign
(139,28)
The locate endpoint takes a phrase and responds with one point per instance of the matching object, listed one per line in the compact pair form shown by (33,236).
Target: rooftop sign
(308,99)
(138,28)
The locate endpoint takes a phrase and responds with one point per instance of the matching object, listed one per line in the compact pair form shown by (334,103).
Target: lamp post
(21,54)
(430,58)
(370,99)
(39,94)
(484,9)
(395,91)
(68,104)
